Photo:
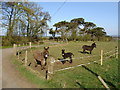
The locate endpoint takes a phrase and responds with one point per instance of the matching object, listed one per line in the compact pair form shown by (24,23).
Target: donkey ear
(63,49)
(47,47)
(44,47)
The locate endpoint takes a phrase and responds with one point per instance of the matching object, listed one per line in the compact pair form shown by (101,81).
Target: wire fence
(52,61)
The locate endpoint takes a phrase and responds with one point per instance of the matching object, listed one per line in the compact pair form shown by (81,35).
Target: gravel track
(11,78)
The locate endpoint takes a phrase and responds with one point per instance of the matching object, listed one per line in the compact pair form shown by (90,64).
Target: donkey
(41,57)
(89,48)
(67,55)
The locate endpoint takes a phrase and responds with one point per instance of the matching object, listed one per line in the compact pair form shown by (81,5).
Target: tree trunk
(10,31)
(28,25)
(98,38)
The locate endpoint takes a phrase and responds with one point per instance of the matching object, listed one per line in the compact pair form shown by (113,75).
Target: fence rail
(53,61)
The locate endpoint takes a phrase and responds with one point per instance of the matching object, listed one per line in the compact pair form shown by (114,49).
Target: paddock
(64,71)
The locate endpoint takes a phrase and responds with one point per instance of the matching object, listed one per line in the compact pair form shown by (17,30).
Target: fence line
(50,70)
(103,82)
(85,57)
(26,58)
(80,65)
(94,55)
(27,47)
(101,57)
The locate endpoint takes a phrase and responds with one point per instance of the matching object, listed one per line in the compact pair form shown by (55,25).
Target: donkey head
(63,50)
(46,52)
(94,45)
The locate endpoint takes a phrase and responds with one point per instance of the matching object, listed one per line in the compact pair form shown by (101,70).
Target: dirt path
(11,78)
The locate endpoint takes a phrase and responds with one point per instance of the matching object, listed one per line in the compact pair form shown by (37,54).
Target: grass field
(2,47)
(79,77)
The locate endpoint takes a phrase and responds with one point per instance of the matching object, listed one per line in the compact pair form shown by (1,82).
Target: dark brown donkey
(89,48)
(41,57)
(67,55)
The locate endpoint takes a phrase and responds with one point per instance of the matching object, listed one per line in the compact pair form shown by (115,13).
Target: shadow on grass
(109,83)
(81,86)
(83,52)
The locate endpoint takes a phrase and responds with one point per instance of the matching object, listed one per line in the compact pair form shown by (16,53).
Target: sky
(103,14)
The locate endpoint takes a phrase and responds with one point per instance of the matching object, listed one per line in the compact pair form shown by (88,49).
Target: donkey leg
(70,59)
(29,64)
(90,52)
(83,50)
(42,67)
(35,63)
(45,62)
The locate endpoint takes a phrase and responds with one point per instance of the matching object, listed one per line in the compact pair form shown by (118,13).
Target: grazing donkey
(41,57)
(89,48)
(67,55)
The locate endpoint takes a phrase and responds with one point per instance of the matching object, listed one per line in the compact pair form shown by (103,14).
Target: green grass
(85,79)
(40,82)
(2,47)
(88,80)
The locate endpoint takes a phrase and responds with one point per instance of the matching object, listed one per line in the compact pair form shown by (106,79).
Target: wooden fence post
(14,47)
(30,44)
(116,51)
(49,72)
(23,46)
(38,44)
(26,58)
(105,85)
(101,57)
(64,86)
(17,53)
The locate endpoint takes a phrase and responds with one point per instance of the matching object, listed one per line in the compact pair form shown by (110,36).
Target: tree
(88,26)
(98,32)
(53,32)
(78,21)
(76,26)
(72,28)
(62,28)
(36,19)
(24,19)
(9,16)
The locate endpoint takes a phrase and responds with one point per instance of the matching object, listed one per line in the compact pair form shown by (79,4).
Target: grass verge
(41,83)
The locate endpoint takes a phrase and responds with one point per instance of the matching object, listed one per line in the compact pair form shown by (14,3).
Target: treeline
(24,21)
(27,22)
(79,30)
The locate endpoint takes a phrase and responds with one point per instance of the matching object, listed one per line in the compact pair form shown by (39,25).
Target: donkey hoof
(45,64)
(35,65)
(42,68)
(71,61)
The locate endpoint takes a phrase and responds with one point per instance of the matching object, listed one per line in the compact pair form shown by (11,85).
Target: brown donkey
(41,57)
